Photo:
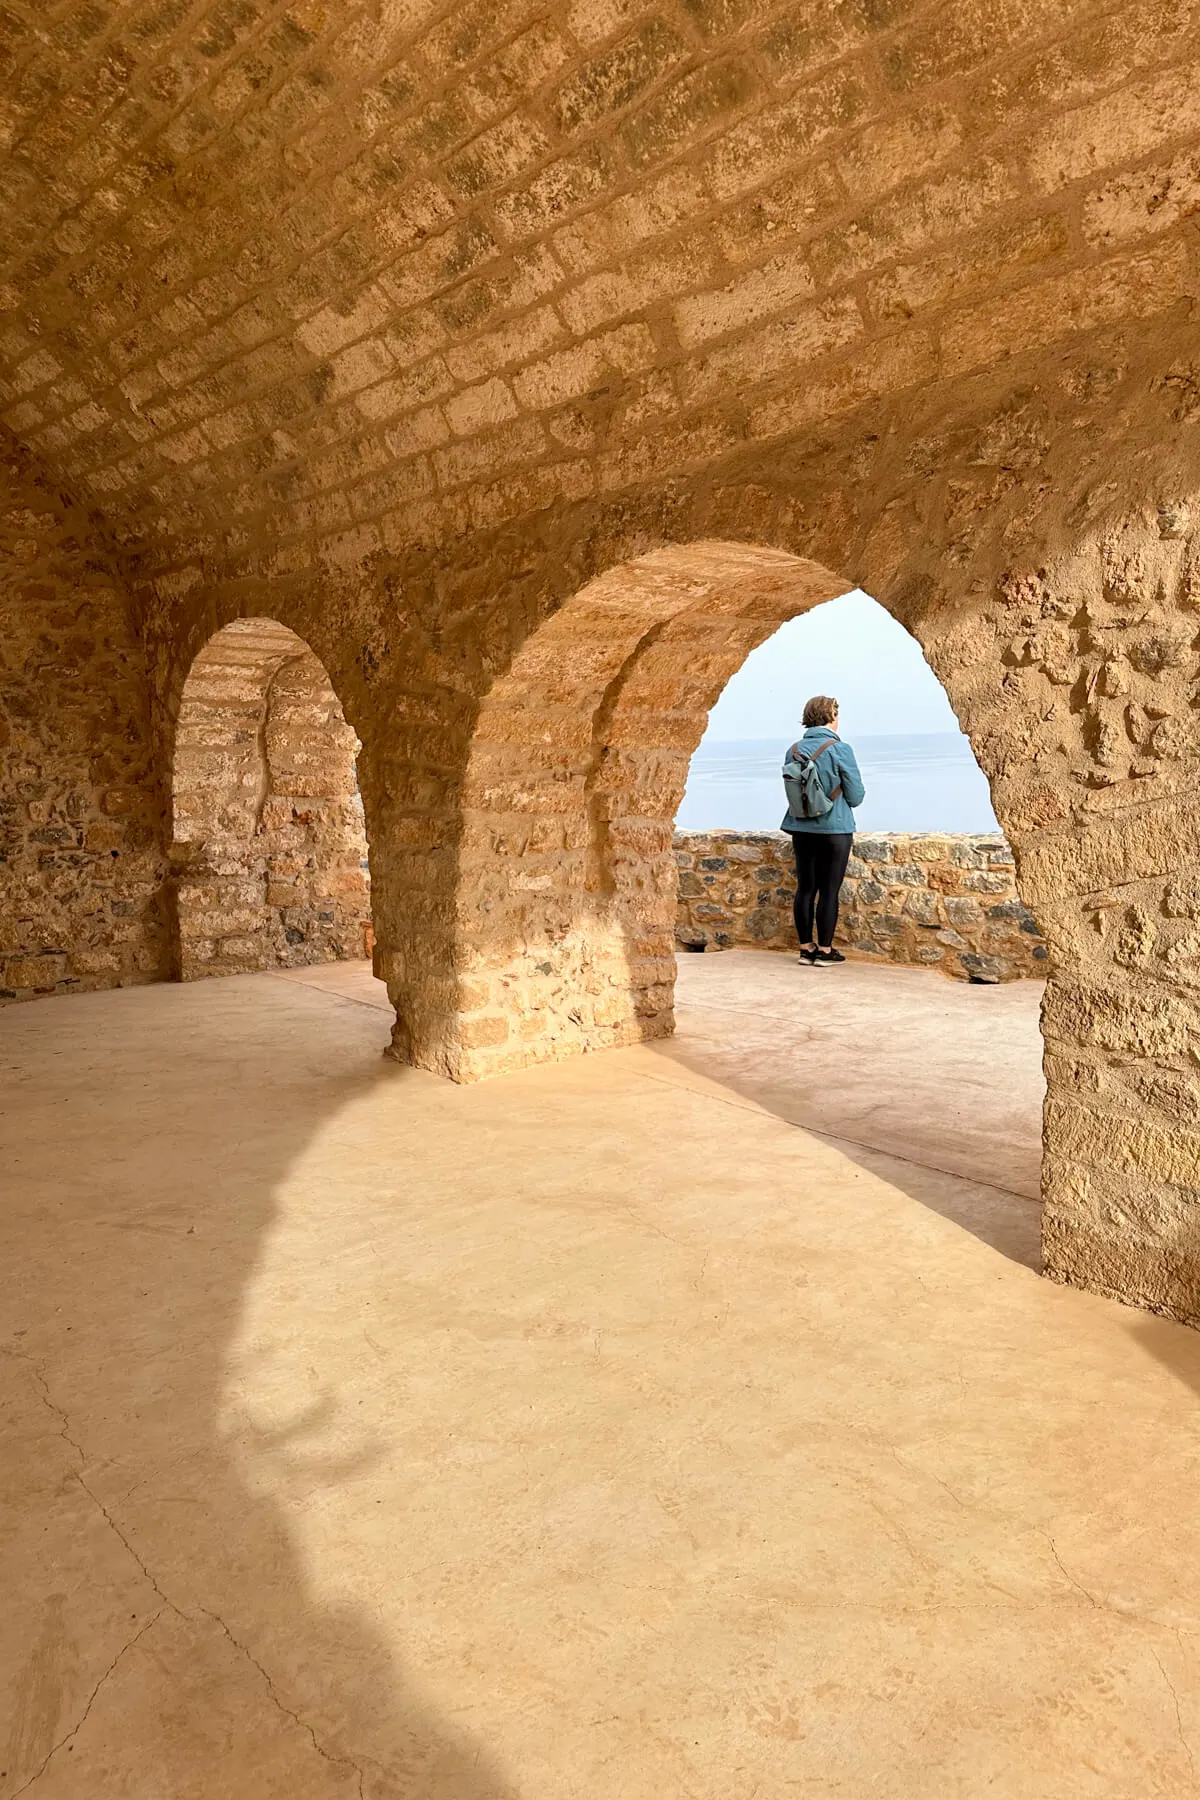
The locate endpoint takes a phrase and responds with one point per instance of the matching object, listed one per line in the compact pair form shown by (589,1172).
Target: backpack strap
(836,793)
(812,756)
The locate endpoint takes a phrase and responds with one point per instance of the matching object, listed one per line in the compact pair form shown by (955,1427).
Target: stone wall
(944,901)
(81,809)
(270,851)
(534,365)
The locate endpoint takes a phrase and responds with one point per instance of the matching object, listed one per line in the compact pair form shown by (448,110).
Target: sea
(913,783)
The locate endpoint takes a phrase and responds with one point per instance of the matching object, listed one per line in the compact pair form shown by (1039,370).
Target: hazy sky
(850,648)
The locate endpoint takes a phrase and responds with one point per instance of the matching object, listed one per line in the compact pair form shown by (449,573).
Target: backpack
(806,797)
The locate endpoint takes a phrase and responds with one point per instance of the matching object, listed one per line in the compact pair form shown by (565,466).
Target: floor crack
(1174,1693)
(65,1433)
(1066,1573)
(168,1605)
(342,1762)
(81,1721)
(51,1405)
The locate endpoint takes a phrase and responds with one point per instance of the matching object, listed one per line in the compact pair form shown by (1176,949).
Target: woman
(822,845)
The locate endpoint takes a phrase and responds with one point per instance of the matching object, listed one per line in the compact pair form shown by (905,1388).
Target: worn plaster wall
(81,804)
(270,851)
(946,902)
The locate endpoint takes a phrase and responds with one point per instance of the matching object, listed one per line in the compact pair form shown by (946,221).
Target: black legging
(821,858)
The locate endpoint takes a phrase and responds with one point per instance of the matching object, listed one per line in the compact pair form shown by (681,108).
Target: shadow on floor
(166,1637)
(931,1084)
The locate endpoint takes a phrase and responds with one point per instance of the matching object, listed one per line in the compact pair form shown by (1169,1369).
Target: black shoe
(820,957)
(807,956)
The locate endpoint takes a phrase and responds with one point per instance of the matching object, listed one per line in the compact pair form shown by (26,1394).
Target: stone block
(932,848)
(614,79)
(874,849)
(684,108)
(988,969)
(922,908)
(1142,1022)
(1182,898)
(102,840)
(763,923)
(41,973)
(1147,1149)
(480,1031)
(979,881)
(247,952)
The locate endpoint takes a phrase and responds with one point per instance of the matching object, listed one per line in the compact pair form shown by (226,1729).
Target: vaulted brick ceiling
(272,271)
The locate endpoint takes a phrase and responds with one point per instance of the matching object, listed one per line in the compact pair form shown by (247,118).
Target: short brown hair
(820,710)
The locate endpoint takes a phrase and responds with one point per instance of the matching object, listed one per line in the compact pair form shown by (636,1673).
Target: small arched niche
(270,845)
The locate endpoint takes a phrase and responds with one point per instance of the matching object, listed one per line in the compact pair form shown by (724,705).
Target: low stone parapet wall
(940,901)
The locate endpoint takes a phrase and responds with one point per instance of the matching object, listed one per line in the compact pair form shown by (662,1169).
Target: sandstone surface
(531,368)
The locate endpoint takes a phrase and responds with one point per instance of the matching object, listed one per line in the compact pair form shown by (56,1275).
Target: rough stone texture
(533,367)
(948,902)
(81,809)
(270,851)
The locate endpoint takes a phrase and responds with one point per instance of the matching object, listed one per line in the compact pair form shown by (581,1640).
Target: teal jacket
(836,766)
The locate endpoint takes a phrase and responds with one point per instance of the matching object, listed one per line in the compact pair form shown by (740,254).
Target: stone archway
(270,850)
(1075,680)
(565,901)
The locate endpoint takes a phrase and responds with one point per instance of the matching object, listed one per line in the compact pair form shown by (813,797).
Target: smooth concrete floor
(940,1077)
(596,1431)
